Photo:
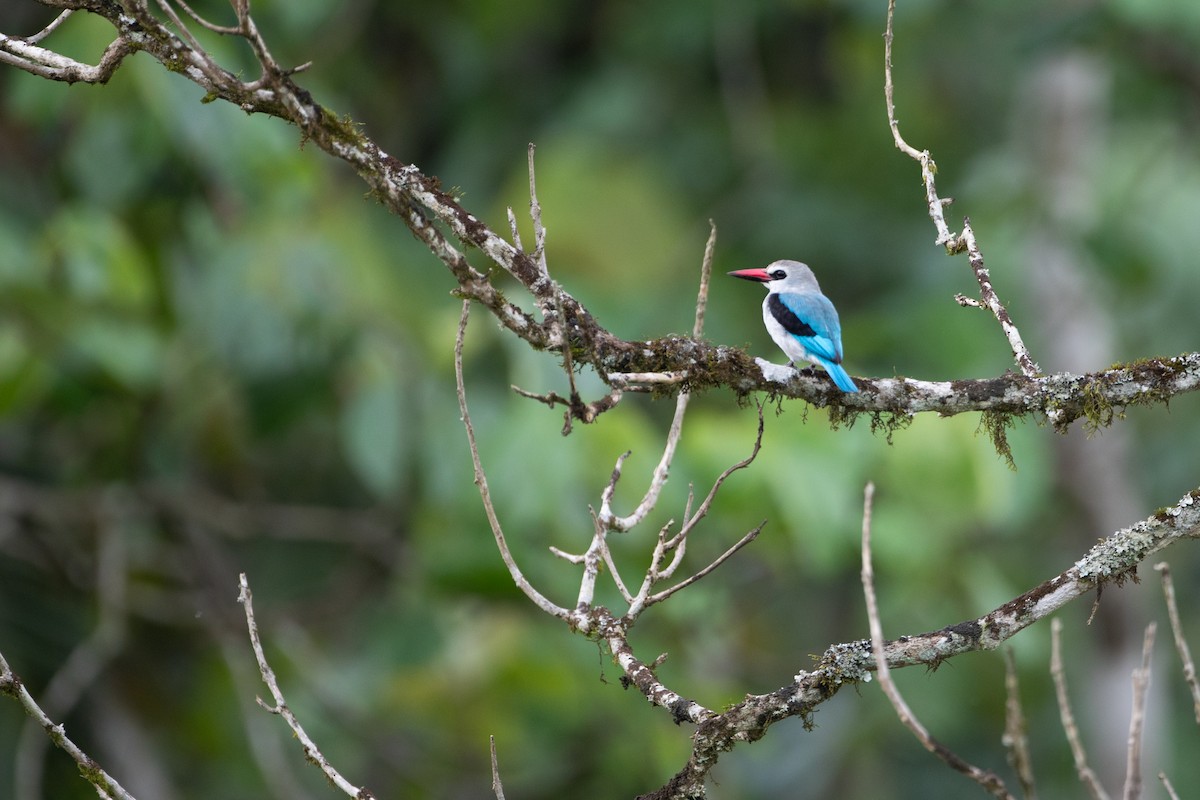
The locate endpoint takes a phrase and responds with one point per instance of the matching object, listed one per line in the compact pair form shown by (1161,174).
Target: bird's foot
(808,370)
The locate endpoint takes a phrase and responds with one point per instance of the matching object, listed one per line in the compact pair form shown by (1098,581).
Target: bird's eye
(778,275)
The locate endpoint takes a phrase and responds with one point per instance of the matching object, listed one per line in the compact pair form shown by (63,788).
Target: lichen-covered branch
(557,319)
(1112,560)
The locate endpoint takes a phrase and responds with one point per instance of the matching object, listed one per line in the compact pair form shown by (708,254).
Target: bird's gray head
(782,276)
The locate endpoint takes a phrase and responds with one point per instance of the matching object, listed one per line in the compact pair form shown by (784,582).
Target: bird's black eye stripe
(778,275)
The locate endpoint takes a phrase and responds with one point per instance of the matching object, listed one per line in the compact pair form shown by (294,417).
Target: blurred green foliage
(217,355)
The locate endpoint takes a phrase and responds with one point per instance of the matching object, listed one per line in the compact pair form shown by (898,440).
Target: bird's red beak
(759,274)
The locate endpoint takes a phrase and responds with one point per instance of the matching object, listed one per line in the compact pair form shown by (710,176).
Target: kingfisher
(801,320)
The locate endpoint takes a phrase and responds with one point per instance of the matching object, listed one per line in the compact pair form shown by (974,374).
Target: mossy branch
(557,320)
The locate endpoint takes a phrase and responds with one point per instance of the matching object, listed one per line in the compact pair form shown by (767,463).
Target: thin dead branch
(1137,719)
(497,786)
(1086,776)
(106,786)
(1016,738)
(608,518)
(954,243)
(481,479)
(1181,645)
(990,301)
(985,778)
(311,752)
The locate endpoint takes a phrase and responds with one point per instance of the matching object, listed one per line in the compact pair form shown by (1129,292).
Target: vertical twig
(705,275)
(535,214)
(1137,719)
(1015,739)
(1086,776)
(1181,645)
(985,778)
(954,243)
(497,787)
(607,516)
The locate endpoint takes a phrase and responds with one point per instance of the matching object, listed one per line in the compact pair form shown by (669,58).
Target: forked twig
(1086,776)
(991,301)
(311,751)
(985,778)
(954,243)
(658,597)
(677,544)
(1181,645)
(228,30)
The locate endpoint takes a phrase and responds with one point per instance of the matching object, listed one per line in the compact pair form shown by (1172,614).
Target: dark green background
(217,355)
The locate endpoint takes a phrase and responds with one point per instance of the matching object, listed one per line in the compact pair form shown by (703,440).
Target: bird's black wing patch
(787,318)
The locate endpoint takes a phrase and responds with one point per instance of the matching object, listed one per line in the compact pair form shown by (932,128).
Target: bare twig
(718,561)
(535,214)
(705,275)
(49,29)
(607,516)
(592,559)
(1181,645)
(481,479)
(677,544)
(991,301)
(497,786)
(690,522)
(1086,776)
(311,751)
(967,302)
(106,786)
(89,658)
(952,242)
(610,519)
(230,30)
(1137,718)
(25,55)
(1162,776)
(1016,739)
(985,778)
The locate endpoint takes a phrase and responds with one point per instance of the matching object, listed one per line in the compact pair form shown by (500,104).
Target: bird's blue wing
(812,319)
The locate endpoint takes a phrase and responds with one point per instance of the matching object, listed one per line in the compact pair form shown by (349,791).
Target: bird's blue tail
(839,375)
